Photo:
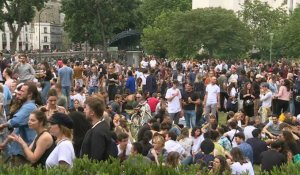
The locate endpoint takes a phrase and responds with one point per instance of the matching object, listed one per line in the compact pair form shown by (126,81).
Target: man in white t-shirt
(144,63)
(173,97)
(211,98)
(124,147)
(153,63)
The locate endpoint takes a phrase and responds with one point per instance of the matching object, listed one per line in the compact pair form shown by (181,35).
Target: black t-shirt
(271,159)
(112,76)
(48,76)
(194,96)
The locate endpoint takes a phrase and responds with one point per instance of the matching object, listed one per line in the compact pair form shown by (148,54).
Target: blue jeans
(93,90)
(190,118)
(45,91)
(66,92)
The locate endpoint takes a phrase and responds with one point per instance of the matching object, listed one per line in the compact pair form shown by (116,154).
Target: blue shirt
(130,84)
(246,150)
(65,74)
(20,124)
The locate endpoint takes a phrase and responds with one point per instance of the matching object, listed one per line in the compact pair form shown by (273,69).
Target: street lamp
(86,35)
(40,12)
(271,44)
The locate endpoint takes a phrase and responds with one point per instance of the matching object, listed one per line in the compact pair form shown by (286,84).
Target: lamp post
(86,34)
(40,12)
(271,44)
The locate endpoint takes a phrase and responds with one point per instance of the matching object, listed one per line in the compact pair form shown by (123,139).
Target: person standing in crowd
(130,82)
(78,74)
(63,154)
(266,99)
(93,81)
(151,84)
(256,88)
(38,152)
(248,97)
(189,101)
(99,135)
(29,97)
(7,75)
(212,98)
(173,97)
(80,126)
(65,78)
(283,97)
(4,63)
(222,82)
(51,107)
(47,76)
(24,70)
(112,81)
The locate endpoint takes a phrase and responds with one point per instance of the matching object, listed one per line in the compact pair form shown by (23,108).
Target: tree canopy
(289,37)
(262,20)
(97,21)
(150,9)
(183,34)
(17,13)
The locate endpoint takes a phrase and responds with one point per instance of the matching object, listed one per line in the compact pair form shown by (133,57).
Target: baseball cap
(61,119)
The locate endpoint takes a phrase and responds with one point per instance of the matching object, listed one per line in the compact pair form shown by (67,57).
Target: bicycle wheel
(135,125)
(145,119)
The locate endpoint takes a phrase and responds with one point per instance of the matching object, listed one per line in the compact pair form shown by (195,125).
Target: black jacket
(97,142)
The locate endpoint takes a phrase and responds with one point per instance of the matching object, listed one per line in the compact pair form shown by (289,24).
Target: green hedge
(86,167)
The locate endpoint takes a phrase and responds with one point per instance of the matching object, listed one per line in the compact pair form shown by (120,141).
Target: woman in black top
(46,85)
(247,94)
(112,80)
(38,152)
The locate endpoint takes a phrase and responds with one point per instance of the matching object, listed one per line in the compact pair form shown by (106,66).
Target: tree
(289,38)
(96,21)
(156,37)
(18,13)
(183,34)
(262,20)
(150,9)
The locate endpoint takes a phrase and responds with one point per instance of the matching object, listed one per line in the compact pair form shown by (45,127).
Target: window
(45,39)
(45,29)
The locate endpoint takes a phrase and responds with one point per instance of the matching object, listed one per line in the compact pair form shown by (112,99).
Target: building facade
(24,41)
(49,20)
(236,5)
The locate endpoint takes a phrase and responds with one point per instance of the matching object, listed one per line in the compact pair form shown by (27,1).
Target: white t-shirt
(153,63)
(197,142)
(144,64)
(248,132)
(266,99)
(233,77)
(238,169)
(128,149)
(64,151)
(174,105)
(143,77)
(79,97)
(172,145)
(212,92)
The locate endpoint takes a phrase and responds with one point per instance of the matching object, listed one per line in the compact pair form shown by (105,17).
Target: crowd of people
(221,115)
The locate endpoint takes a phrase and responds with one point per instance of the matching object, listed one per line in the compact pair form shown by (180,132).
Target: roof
(123,35)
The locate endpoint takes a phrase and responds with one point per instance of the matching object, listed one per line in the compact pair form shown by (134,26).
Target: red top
(152,102)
